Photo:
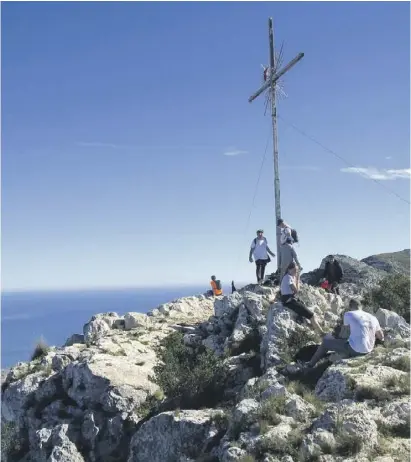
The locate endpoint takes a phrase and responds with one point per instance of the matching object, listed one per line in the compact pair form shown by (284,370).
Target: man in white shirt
(260,250)
(364,329)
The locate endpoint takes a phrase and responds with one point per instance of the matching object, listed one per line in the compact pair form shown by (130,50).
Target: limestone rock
(116,384)
(74,339)
(353,418)
(245,412)
(228,304)
(341,381)
(241,328)
(18,395)
(171,435)
(134,320)
(298,409)
(99,325)
(280,322)
(393,321)
(255,307)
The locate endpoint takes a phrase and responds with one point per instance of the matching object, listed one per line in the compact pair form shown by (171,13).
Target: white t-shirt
(363,327)
(286,283)
(285,233)
(260,249)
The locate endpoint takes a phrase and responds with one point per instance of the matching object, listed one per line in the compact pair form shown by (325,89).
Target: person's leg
(263,271)
(329,343)
(315,324)
(257,271)
(299,308)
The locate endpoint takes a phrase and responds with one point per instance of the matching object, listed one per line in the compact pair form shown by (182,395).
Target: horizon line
(110,289)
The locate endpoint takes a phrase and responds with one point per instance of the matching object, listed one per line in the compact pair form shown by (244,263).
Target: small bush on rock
(393,293)
(195,379)
(276,445)
(348,444)
(40,350)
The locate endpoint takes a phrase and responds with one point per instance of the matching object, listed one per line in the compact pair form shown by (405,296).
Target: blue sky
(116,118)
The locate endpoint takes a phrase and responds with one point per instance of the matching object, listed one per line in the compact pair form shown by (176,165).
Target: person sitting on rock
(287,256)
(333,273)
(216,286)
(364,329)
(260,250)
(289,288)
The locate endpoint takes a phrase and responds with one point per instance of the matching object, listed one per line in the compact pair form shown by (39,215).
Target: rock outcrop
(97,398)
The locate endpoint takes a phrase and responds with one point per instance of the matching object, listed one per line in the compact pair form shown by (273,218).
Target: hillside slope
(216,380)
(393,262)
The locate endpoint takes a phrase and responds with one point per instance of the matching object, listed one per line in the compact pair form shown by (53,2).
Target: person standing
(287,256)
(285,230)
(333,273)
(260,251)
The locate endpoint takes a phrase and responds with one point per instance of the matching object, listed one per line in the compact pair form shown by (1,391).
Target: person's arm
(379,335)
(269,251)
(250,256)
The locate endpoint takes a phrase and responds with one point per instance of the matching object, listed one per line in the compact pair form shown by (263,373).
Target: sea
(26,317)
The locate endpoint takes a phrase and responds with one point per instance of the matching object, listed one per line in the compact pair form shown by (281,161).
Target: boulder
(171,435)
(18,396)
(74,339)
(245,413)
(228,304)
(394,322)
(115,383)
(135,320)
(342,381)
(99,325)
(352,418)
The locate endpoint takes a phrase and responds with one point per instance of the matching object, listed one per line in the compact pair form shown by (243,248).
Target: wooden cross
(274,75)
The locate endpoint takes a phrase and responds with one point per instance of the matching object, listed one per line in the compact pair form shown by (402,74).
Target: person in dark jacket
(233,289)
(333,273)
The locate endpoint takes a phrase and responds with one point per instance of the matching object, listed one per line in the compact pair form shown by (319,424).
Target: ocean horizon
(56,315)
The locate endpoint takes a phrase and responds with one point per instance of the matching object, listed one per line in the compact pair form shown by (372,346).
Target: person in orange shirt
(216,286)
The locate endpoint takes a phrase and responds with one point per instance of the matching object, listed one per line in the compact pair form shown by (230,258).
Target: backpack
(294,235)
(218,284)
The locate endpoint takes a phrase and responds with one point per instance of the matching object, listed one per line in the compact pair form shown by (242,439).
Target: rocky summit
(215,379)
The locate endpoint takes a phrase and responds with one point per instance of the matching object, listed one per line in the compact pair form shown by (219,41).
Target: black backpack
(294,235)
(218,284)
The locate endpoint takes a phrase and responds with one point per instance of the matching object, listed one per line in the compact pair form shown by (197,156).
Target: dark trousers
(334,287)
(260,269)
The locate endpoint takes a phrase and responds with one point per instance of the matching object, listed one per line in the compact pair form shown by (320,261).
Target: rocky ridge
(92,399)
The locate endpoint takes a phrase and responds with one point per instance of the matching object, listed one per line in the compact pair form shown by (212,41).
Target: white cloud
(388,158)
(373,173)
(234,152)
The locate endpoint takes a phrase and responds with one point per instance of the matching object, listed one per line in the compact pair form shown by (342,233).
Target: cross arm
(275,77)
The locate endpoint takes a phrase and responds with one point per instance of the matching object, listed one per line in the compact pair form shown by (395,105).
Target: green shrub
(40,350)
(392,293)
(276,445)
(348,444)
(194,378)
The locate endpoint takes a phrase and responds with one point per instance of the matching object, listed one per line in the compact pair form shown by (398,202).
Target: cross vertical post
(274,76)
(273,66)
